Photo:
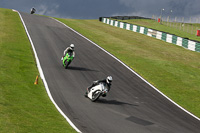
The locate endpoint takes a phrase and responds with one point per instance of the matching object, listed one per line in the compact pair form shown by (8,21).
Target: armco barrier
(184,42)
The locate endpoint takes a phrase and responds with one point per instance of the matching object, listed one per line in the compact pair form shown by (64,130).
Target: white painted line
(43,78)
(132,71)
(14,10)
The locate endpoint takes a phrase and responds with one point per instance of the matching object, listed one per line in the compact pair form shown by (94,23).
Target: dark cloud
(92,9)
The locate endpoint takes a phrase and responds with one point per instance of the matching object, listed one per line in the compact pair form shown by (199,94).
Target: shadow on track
(114,102)
(80,68)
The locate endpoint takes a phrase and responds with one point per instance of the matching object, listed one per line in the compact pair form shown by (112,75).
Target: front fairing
(68,58)
(100,87)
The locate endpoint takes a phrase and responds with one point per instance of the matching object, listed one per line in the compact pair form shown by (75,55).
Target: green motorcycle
(67,60)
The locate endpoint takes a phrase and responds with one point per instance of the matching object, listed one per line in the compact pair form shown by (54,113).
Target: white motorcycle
(96,91)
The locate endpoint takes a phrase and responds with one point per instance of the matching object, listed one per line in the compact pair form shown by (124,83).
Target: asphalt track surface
(132,106)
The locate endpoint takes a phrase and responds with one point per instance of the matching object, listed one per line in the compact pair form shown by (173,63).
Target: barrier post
(198,32)
(158,20)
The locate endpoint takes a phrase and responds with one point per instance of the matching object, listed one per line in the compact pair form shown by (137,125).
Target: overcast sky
(93,9)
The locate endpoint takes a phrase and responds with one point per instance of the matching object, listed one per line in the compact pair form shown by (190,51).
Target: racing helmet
(72,46)
(109,79)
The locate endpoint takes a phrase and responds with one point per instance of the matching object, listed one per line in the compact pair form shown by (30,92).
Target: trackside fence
(170,38)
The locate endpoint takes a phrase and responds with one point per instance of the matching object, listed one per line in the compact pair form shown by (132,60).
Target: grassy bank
(172,69)
(24,107)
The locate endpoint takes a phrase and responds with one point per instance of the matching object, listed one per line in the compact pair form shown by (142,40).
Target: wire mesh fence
(191,25)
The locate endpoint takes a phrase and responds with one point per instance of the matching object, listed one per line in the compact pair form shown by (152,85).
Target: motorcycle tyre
(67,64)
(96,97)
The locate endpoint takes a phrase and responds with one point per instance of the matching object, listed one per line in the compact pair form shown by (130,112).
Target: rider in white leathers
(106,82)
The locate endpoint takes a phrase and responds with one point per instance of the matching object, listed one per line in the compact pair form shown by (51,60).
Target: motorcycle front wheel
(67,64)
(95,96)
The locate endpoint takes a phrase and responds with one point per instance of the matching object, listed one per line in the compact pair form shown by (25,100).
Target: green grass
(170,68)
(24,107)
(162,27)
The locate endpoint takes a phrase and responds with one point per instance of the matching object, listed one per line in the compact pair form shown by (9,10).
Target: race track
(132,106)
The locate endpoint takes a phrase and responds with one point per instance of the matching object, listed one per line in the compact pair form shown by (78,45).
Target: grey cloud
(147,8)
(92,9)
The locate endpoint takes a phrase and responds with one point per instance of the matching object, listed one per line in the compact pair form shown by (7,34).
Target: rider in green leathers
(68,52)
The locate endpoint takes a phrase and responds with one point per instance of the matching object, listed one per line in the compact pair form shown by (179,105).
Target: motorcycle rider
(33,10)
(69,50)
(106,82)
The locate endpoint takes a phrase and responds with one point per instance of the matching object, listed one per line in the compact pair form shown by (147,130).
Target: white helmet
(72,46)
(109,79)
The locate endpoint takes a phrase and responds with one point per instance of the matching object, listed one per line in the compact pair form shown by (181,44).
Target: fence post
(183,23)
(167,20)
(191,25)
(176,22)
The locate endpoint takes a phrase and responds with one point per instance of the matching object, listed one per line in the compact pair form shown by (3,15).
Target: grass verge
(24,107)
(170,68)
